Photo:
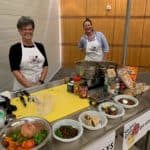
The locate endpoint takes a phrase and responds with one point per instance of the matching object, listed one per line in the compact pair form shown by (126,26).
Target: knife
(27,94)
(22,100)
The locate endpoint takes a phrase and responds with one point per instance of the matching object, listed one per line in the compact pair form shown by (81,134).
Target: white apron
(94,51)
(31,65)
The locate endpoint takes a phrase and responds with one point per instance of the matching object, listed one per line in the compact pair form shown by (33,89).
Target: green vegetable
(22,139)
(58,133)
(15,135)
(40,136)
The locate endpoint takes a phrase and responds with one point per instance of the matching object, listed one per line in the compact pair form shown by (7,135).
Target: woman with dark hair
(27,58)
(94,43)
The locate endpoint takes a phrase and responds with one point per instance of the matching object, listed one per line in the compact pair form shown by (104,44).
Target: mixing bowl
(18,123)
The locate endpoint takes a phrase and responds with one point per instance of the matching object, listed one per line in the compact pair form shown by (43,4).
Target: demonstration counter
(70,106)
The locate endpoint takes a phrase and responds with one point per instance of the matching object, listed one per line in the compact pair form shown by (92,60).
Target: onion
(28,130)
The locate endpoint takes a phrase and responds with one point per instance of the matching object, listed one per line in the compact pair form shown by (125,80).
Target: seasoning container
(117,88)
(83,90)
(105,87)
(70,86)
(2,118)
(77,81)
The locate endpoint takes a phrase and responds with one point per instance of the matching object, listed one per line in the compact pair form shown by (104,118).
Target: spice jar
(70,86)
(83,90)
(77,80)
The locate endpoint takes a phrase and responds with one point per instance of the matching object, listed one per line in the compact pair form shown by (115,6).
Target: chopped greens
(40,136)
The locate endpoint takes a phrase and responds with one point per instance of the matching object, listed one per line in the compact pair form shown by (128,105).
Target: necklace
(91,37)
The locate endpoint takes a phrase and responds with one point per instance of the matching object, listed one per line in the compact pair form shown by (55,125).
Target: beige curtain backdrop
(46,16)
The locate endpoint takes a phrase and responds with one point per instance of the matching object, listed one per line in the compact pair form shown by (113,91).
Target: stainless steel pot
(86,69)
(19,122)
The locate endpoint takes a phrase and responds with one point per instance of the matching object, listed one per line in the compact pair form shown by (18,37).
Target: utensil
(29,96)
(22,100)
(98,97)
(20,94)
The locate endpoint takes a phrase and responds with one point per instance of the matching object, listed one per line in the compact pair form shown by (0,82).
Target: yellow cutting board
(53,103)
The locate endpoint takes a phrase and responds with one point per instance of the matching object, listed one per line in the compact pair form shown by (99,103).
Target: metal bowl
(93,69)
(19,122)
(86,69)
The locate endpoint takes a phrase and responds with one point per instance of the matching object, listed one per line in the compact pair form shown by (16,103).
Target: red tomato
(28,144)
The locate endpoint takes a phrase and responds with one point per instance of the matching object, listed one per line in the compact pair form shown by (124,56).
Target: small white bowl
(67,122)
(103,119)
(121,110)
(118,97)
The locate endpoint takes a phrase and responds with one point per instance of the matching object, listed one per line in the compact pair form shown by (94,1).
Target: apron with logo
(94,51)
(31,65)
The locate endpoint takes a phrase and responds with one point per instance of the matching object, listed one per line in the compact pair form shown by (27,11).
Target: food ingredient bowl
(67,130)
(126,101)
(93,120)
(29,132)
(111,109)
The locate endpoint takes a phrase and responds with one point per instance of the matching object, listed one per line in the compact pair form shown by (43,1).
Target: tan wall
(111,23)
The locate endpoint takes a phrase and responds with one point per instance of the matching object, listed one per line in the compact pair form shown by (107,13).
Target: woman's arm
(21,79)
(105,56)
(44,73)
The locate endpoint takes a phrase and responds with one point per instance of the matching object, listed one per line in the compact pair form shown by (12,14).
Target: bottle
(77,81)
(105,87)
(2,118)
(83,90)
(117,88)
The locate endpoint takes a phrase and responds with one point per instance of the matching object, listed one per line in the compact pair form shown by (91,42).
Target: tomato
(28,144)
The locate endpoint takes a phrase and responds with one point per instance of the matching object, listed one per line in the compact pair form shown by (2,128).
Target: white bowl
(120,113)
(103,119)
(118,97)
(70,122)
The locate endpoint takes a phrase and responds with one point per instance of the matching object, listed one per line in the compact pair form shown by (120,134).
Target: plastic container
(83,90)
(70,86)
(77,81)
(2,118)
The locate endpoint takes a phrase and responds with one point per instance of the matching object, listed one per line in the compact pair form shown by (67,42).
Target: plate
(120,112)
(133,99)
(67,122)
(103,120)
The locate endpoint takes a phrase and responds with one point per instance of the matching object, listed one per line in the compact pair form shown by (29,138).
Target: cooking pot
(86,69)
(103,65)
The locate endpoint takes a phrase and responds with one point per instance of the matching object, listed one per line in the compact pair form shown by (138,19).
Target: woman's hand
(21,79)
